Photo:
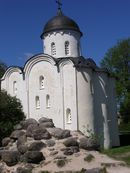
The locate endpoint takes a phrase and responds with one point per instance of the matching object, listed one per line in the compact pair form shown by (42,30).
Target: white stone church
(63,85)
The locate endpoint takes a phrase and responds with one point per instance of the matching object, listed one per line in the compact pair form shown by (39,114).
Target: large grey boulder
(37,132)
(28,122)
(36,146)
(58,133)
(71,141)
(22,148)
(70,150)
(41,133)
(47,125)
(44,120)
(16,134)
(18,127)
(22,144)
(30,130)
(11,158)
(50,142)
(6,141)
(34,157)
(26,169)
(88,143)
(1,152)
(22,140)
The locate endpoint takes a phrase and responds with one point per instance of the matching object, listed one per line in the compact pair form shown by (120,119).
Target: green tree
(10,113)
(3,67)
(117,61)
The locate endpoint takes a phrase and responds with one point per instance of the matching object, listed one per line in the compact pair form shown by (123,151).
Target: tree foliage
(10,113)
(117,61)
(3,67)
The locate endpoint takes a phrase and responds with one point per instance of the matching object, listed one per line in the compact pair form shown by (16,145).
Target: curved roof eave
(11,69)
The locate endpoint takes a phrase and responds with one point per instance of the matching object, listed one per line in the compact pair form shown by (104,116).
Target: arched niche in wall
(15,87)
(68,116)
(37,102)
(41,82)
(48,104)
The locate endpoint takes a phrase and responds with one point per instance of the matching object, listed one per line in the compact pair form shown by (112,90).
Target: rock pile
(27,143)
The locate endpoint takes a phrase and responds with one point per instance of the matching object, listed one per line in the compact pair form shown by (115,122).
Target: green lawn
(120,153)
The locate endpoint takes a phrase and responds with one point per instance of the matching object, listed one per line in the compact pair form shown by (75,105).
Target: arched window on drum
(67,48)
(53,49)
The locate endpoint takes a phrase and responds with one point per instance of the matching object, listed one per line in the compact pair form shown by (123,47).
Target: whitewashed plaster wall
(105,109)
(85,101)
(68,80)
(59,38)
(44,66)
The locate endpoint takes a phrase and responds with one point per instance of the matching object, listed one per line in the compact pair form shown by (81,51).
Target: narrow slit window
(15,87)
(37,101)
(48,101)
(53,49)
(91,87)
(67,51)
(68,116)
(41,82)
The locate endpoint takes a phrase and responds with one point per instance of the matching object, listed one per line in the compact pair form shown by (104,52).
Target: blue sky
(103,23)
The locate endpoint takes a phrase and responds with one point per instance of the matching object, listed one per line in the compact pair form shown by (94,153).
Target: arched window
(68,116)
(15,87)
(67,51)
(41,82)
(37,102)
(53,49)
(48,101)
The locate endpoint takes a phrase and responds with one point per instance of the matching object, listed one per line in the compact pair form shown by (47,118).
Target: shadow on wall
(99,99)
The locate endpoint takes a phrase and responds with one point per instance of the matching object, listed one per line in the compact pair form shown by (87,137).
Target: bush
(11,113)
(89,158)
(61,163)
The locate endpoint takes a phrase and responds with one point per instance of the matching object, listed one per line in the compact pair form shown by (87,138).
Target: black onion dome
(60,22)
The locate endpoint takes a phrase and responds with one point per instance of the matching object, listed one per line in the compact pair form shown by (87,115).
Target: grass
(120,153)
(61,163)
(89,158)
(125,127)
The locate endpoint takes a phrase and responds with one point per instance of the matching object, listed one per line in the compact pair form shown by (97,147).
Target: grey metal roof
(60,22)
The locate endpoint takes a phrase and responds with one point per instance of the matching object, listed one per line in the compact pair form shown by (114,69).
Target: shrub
(89,158)
(104,170)
(60,163)
(11,113)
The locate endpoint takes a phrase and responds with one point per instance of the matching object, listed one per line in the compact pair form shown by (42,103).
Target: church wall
(102,109)
(3,85)
(18,90)
(68,80)
(85,100)
(114,134)
(59,38)
(50,92)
